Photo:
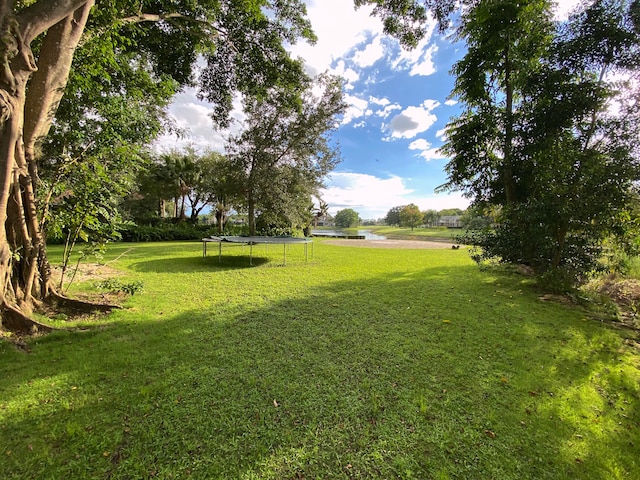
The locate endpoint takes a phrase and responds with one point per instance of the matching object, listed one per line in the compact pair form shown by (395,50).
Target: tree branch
(43,14)
(153,17)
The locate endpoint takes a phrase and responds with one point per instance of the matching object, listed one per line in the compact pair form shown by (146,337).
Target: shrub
(115,286)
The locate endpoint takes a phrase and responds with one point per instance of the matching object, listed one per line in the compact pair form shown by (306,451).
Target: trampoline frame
(251,241)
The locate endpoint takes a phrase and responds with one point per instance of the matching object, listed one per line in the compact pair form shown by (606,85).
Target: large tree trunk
(29,96)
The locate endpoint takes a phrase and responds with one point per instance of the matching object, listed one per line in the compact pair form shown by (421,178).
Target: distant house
(450,221)
(325,221)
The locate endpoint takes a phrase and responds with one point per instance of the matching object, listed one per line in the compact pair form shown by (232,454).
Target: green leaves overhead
(408,20)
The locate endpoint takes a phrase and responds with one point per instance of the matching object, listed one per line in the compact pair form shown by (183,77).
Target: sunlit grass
(358,363)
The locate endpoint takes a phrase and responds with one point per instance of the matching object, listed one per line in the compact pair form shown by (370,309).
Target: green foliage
(280,160)
(537,139)
(450,211)
(191,180)
(114,285)
(411,216)
(80,200)
(347,218)
(167,231)
(475,219)
(393,216)
(430,218)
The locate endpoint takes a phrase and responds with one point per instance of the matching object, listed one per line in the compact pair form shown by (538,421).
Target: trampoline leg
(251,254)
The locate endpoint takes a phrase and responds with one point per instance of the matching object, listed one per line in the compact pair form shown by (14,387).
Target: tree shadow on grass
(200,264)
(231,259)
(441,372)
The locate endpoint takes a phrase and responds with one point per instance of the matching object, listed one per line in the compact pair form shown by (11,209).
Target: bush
(115,286)
(167,232)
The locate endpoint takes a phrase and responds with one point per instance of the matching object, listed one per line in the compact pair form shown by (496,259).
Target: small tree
(285,151)
(411,216)
(347,218)
(393,216)
(430,217)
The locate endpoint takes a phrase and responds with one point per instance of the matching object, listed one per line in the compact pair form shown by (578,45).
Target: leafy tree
(474,219)
(281,157)
(393,216)
(411,216)
(430,217)
(537,140)
(562,164)
(196,181)
(347,218)
(241,42)
(83,206)
(450,212)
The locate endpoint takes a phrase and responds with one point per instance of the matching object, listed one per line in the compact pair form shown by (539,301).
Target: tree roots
(18,321)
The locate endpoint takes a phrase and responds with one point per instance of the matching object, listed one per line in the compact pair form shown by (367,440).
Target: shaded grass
(360,363)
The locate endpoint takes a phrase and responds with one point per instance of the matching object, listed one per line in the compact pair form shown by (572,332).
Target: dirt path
(413,244)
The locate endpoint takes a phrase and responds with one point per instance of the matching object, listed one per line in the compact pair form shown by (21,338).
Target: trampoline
(251,241)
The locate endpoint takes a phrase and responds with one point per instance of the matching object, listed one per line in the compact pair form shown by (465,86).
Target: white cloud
(383,102)
(425,65)
(564,7)
(451,103)
(386,111)
(339,27)
(419,144)
(412,120)
(372,197)
(357,108)
(426,150)
(419,60)
(442,134)
(373,52)
(349,74)
(364,193)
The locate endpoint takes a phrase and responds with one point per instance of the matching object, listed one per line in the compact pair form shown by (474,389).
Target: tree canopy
(539,137)
(547,140)
(284,152)
(111,54)
(393,216)
(411,216)
(347,218)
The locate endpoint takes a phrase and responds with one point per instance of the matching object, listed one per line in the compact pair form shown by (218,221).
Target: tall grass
(358,363)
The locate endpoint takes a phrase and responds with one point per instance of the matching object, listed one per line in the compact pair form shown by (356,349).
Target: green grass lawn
(359,363)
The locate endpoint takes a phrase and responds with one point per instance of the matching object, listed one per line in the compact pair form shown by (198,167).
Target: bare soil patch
(86,271)
(406,244)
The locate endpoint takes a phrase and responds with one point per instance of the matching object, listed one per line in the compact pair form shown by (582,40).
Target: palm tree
(322,211)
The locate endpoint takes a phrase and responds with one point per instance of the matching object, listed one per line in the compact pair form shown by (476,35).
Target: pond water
(367,234)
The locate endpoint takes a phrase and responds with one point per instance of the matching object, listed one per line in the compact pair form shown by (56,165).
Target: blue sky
(398,107)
